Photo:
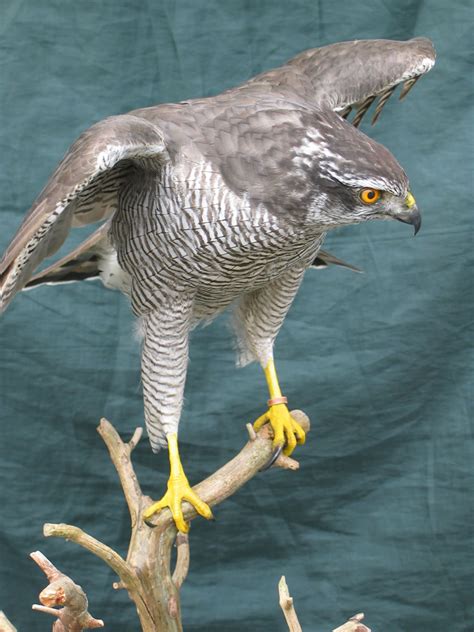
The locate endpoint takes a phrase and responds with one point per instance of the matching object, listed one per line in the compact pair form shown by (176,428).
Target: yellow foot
(286,431)
(179,489)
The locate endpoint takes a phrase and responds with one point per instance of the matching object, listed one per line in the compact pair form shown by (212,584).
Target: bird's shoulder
(249,140)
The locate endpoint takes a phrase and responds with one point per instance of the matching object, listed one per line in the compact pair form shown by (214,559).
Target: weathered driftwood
(146,573)
(73,616)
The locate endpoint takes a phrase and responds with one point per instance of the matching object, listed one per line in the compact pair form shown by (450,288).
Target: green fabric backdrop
(379,517)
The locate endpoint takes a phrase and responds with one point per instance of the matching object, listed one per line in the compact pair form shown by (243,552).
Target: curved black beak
(411,214)
(413,217)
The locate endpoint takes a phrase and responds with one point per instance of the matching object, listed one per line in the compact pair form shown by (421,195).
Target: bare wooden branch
(5,624)
(251,432)
(49,569)
(53,611)
(182,559)
(146,574)
(118,585)
(286,463)
(108,555)
(353,625)
(286,604)
(234,474)
(120,454)
(137,435)
(62,591)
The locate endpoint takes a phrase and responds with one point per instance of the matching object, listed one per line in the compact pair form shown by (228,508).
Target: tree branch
(120,454)
(5,625)
(62,591)
(146,574)
(234,474)
(286,604)
(108,555)
(353,625)
(182,560)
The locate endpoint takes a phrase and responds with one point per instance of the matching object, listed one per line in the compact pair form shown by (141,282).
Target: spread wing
(351,75)
(82,190)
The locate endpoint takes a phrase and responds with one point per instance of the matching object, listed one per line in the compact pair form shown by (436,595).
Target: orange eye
(369,196)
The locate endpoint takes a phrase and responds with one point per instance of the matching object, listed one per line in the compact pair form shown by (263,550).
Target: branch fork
(286,604)
(62,591)
(145,573)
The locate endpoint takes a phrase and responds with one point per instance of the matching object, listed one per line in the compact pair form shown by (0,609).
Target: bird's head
(354,179)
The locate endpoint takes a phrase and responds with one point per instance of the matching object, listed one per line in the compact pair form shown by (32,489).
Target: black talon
(272,459)
(149,524)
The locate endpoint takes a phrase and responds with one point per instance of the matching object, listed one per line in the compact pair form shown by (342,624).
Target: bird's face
(354,178)
(361,204)
(385,205)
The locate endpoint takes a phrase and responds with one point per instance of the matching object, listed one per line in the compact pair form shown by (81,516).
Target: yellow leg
(179,489)
(286,431)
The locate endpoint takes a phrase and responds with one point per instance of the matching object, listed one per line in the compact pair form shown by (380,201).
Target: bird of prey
(223,201)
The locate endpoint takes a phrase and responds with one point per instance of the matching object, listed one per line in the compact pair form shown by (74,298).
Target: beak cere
(412,215)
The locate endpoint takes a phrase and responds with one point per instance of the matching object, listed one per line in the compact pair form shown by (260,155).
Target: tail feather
(79,264)
(94,258)
(324,259)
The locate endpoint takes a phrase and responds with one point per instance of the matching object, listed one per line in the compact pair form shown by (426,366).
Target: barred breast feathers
(192,229)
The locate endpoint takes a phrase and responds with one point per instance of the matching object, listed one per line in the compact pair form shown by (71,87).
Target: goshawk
(223,201)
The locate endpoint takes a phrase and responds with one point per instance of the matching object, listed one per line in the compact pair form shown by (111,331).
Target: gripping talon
(179,490)
(272,459)
(286,431)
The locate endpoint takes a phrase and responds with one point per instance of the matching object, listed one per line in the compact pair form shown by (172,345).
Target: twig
(62,591)
(182,559)
(286,604)
(48,568)
(108,555)
(53,611)
(251,432)
(353,625)
(286,463)
(137,435)
(120,454)
(5,625)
